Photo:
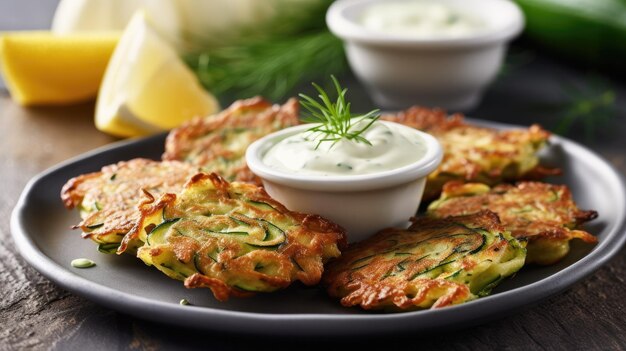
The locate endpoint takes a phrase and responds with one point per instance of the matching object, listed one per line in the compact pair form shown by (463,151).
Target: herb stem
(334,120)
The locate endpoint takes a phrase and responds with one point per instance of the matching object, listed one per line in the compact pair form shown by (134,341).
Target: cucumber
(173,271)
(454,275)
(239,221)
(262,205)
(94,226)
(245,289)
(214,253)
(488,285)
(158,233)
(481,246)
(273,238)
(400,266)
(108,248)
(588,31)
(234,232)
(272,232)
(296,264)
(431,269)
(196,263)
(361,262)
(554,196)
(423,257)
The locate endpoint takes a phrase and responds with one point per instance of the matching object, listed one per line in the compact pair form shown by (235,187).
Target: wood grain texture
(34,313)
(37,315)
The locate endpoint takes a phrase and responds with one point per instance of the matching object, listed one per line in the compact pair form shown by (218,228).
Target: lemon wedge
(147,87)
(41,68)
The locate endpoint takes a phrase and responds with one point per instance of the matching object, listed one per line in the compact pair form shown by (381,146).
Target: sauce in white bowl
(440,65)
(419,19)
(361,203)
(390,147)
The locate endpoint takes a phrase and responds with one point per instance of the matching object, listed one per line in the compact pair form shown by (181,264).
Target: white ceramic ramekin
(362,204)
(401,71)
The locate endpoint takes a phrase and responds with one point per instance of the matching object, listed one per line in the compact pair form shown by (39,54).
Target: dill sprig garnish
(334,119)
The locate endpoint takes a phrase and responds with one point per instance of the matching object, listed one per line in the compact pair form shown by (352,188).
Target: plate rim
(215,319)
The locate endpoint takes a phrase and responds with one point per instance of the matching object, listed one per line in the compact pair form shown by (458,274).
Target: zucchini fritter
(218,143)
(434,263)
(542,214)
(477,154)
(232,238)
(107,199)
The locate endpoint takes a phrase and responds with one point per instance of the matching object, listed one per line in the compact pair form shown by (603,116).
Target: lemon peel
(41,68)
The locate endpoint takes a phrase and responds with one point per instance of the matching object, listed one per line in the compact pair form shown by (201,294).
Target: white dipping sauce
(419,19)
(393,146)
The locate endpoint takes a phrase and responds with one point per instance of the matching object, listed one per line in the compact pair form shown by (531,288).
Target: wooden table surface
(36,314)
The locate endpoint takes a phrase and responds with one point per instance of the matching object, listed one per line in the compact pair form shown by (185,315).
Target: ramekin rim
(402,175)
(349,31)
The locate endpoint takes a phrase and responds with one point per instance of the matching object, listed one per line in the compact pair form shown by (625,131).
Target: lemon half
(41,68)
(147,87)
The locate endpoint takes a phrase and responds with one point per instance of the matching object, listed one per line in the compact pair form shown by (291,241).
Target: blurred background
(566,71)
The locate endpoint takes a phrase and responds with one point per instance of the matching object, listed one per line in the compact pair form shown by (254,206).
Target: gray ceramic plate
(40,227)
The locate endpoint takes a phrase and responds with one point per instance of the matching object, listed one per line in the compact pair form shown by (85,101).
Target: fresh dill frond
(271,67)
(270,56)
(334,120)
(592,104)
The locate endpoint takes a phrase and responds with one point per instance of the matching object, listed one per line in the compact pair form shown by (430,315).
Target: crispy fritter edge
(150,205)
(221,290)
(581,216)
(69,195)
(437,121)
(484,219)
(199,125)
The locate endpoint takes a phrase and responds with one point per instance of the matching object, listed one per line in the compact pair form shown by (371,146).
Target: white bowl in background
(450,72)
(362,204)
